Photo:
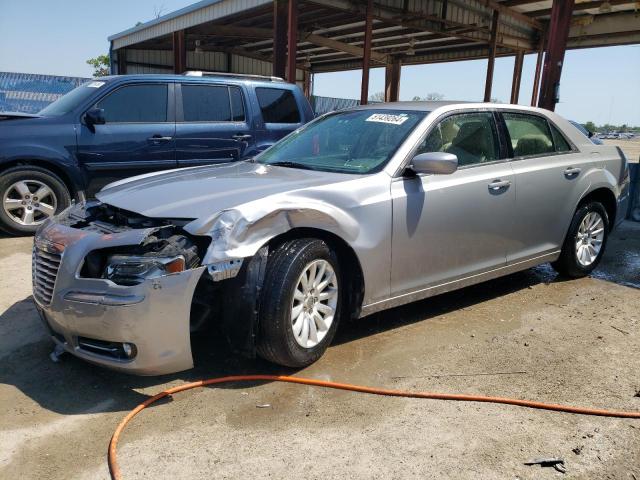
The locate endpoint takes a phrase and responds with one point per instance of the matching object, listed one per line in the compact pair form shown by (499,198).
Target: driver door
(449,227)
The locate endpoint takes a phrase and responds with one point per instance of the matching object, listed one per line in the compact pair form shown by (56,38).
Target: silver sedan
(358,211)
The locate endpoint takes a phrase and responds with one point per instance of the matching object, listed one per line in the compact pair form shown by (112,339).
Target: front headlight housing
(133,270)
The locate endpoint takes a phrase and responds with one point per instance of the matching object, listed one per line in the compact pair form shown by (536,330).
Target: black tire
(28,173)
(568,264)
(276,341)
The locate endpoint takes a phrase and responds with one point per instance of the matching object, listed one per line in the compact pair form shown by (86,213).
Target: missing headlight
(162,253)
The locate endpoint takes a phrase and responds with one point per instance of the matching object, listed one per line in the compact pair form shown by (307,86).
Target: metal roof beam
(580,7)
(340,46)
(430,23)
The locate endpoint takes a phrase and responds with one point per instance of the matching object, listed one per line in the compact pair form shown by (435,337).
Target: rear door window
(212,103)
(530,134)
(278,105)
(136,104)
(206,103)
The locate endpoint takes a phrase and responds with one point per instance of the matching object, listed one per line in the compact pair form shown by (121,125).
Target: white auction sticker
(388,118)
(95,84)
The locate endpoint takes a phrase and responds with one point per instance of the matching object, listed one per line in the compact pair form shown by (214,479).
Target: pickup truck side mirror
(437,163)
(95,116)
(591,134)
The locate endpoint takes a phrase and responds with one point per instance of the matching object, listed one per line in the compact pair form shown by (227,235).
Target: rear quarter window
(278,105)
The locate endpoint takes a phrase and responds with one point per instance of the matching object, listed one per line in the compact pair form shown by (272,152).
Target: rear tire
(585,242)
(299,316)
(28,196)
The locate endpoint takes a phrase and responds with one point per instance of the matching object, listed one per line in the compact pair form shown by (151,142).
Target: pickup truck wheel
(301,305)
(29,196)
(586,239)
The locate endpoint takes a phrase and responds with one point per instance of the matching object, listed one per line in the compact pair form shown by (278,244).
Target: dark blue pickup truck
(116,127)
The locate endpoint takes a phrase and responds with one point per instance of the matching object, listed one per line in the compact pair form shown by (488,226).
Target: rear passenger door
(281,113)
(547,168)
(211,124)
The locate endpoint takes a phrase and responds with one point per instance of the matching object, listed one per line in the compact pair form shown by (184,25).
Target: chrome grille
(44,269)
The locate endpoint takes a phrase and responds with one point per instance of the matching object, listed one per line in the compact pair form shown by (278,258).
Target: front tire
(30,195)
(585,242)
(301,304)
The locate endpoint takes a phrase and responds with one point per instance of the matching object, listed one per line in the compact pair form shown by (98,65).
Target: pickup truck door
(451,227)
(137,137)
(211,124)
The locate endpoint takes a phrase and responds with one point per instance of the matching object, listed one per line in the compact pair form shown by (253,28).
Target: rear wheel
(30,195)
(301,306)
(585,243)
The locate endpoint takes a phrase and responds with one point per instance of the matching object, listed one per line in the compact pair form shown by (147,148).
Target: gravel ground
(531,335)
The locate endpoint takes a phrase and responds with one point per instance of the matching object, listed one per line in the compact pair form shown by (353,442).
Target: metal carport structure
(260,36)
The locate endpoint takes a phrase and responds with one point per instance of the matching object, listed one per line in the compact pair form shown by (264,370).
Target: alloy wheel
(314,303)
(29,202)
(589,238)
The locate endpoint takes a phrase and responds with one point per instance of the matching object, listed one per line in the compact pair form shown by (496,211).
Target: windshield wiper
(289,164)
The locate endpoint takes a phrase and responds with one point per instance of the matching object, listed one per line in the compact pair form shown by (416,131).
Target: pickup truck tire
(28,196)
(585,242)
(301,304)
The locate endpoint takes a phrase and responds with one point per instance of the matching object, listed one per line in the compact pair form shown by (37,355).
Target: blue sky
(42,36)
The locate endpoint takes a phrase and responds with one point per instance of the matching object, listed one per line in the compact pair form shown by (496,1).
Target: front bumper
(153,316)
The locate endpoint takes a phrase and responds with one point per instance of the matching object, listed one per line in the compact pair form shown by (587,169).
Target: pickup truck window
(278,105)
(136,104)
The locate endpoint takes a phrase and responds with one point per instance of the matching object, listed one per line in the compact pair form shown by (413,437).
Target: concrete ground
(531,335)
(630,147)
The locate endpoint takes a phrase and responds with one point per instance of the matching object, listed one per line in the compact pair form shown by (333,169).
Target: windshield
(71,100)
(357,141)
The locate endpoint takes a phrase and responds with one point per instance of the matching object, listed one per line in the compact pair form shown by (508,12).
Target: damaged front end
(117,289)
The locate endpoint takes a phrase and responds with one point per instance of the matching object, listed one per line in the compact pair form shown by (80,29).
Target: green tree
(590,126)
(100,65)
(433,96)
(377,97)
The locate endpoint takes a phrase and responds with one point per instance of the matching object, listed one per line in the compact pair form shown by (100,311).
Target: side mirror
(591,134)
(438,163)
(95,116)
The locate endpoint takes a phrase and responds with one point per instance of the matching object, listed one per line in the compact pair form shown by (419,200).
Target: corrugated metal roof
(196,14)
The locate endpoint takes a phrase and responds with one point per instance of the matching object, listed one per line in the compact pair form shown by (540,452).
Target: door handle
(159,139)
(572,172)
(241,137)
(498,185)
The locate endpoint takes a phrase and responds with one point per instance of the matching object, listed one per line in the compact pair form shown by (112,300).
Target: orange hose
(115,469)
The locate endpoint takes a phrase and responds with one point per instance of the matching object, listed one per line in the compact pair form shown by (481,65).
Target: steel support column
(493,43)
(517,76)
(559,25)
(536,76)
(392,80)
(292,41)
(366,59)
(306,83)
(179,52)
(279,38)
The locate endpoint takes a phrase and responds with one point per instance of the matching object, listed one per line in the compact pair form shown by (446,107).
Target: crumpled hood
(202,191)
